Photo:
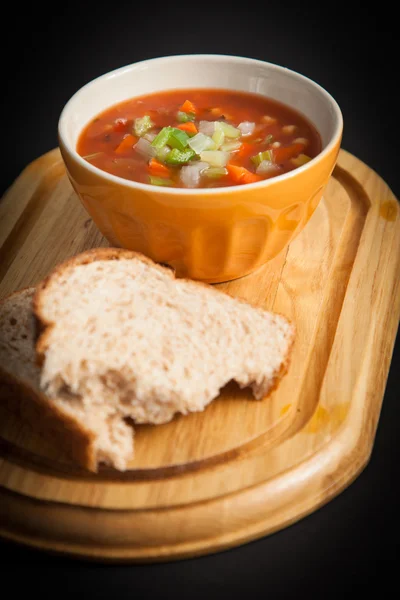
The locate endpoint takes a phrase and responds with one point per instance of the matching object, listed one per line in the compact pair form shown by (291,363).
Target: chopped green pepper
(161,138)
(177,138)
(179,157)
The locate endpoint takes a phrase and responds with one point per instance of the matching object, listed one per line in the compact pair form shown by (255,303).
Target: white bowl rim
(204,191)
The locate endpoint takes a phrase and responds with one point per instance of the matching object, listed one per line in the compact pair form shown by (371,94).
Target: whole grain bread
(119,333)
(90,438)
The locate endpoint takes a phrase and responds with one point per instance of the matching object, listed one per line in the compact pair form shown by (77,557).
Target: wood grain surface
(242,468)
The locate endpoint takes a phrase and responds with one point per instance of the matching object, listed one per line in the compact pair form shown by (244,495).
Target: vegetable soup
(199,139)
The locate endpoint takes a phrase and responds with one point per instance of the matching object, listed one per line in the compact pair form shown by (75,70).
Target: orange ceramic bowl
(216,234)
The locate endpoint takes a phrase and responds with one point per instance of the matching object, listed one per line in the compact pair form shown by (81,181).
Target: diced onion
(190,174)
(246,127)
(163,152)
(266,166)
(145,148)
(207,127)
(200,142)
(150,136)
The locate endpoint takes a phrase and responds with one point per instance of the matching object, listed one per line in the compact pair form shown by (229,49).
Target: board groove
(339,283)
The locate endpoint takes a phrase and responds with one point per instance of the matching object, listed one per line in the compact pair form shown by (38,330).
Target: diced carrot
(158,169)
(242,175)
(126,144)
(283,153)
(245,150)
(189,127)
(188,107)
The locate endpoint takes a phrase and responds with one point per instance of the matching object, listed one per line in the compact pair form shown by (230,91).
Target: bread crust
(284,368)
(48,419)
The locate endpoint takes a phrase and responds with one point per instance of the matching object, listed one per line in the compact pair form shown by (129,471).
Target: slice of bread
(89,437)
(120,333)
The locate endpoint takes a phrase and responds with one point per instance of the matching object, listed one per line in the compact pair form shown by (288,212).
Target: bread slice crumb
(89,437)
(121,334)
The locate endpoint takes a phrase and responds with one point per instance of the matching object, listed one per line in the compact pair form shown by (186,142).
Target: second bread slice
(116,326)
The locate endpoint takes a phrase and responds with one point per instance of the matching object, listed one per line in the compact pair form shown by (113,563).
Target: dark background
(47,55)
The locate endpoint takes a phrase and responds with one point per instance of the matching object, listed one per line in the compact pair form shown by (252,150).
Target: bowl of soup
(211,164)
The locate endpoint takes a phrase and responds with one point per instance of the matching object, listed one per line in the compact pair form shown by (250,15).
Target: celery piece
(160,181)
(142,125)
(183,117)
(215,172)
(179,157)
(229,130)
(266,167)
(258,158)
(200,142)
(300,160)
(218,137)
(177,138)
(161,138)
(269,139)
(215,158)
(231,146)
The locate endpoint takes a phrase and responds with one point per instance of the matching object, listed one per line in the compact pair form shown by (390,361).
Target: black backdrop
(48,53)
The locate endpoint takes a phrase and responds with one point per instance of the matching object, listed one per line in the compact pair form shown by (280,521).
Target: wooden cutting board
(241,469)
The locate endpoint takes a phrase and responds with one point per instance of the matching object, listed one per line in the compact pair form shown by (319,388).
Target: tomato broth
(199,139)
